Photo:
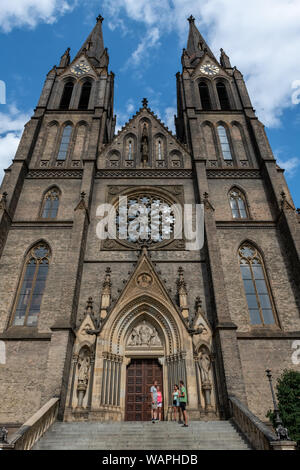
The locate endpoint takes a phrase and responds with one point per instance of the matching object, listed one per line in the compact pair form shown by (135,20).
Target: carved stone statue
(134,339)
(84,367)
(83,377)
(205,364)
(3,435)
(144,335)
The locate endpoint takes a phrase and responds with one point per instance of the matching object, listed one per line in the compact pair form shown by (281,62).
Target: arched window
(66,96)
(130,149)
(256,286)
(32,285)
(85,95)
(159,150)
(65,141)
(226,151)
(238,204)
(223,96)
(204,96)
(50,204)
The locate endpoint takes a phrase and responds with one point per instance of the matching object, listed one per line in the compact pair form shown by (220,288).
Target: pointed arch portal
(143,338)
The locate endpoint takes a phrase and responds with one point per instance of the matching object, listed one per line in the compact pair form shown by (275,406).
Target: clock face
(80,69)
(209,69)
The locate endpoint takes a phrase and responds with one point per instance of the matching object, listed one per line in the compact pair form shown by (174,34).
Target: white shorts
(159,405)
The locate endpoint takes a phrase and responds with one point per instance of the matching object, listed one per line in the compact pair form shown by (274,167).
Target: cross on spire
(93,47)
(145,102)
(191,19)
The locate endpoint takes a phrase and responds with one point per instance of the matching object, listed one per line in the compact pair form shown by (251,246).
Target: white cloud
(169,118)
(141,53)
(290,165)
(11,128)
(262,38)
(17,13)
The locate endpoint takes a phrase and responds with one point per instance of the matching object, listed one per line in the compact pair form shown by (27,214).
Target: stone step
(212,435)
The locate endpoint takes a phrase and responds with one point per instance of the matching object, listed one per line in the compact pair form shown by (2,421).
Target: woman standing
(175,395)
(159,403)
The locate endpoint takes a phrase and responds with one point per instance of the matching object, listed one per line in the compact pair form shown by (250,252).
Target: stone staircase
(200,435)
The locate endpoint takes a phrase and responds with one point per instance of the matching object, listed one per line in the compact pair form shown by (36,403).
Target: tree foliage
(288,396)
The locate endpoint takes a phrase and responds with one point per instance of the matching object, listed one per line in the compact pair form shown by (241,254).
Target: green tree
(288,395)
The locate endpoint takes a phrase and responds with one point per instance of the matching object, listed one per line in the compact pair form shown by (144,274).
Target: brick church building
(94,321)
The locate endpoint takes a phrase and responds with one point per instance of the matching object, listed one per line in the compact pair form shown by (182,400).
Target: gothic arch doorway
(140,375)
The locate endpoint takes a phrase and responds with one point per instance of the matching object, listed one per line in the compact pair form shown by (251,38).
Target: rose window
(145,218)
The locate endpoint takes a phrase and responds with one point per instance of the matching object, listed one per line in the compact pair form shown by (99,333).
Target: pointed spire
(65,58)
(224,60)
(196,45)
(93,47)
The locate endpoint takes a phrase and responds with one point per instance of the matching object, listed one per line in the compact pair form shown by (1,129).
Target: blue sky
(145,41)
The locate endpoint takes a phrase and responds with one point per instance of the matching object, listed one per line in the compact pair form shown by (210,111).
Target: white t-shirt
(153,390)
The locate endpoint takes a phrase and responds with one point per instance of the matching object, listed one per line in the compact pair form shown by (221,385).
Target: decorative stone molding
(74,174)
(144,174)
(234,173)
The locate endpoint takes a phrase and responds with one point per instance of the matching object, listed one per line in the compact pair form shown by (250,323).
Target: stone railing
(255,431)
(34,428)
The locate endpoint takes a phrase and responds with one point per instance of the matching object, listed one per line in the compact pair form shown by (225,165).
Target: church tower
(93,319)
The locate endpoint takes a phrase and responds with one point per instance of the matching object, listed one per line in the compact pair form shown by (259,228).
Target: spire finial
(99,18)
(145,102)
(191,19)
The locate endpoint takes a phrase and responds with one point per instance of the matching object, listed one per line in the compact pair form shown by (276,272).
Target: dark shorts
(182,405)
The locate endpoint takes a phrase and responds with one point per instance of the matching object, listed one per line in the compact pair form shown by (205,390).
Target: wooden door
(140,376)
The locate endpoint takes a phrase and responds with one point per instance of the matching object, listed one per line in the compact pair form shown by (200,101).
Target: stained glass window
(256,287)
(31,288)
(65,141)
(238,205)
(225,146)
(145,218)
(50,205)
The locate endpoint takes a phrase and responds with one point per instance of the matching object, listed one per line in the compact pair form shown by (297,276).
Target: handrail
(256,432)
(34,428)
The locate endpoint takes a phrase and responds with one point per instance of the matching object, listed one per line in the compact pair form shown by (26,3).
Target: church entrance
(139,378)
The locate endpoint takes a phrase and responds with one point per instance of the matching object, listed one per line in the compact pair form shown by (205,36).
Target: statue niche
(144,336)
(83,369)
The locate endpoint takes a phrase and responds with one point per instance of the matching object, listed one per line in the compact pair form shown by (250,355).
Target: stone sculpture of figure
(3,435)
(83,374)
(144,144)
(205,363)
(145,333)
(145,148)
(134,338)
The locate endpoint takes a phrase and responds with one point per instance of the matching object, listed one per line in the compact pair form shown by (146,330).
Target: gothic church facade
(93,321)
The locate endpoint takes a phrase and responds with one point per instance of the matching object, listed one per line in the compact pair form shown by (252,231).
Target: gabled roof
(146,110)
(145,280)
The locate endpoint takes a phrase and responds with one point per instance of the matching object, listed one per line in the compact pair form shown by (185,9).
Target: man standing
(153,391)
(182,402)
